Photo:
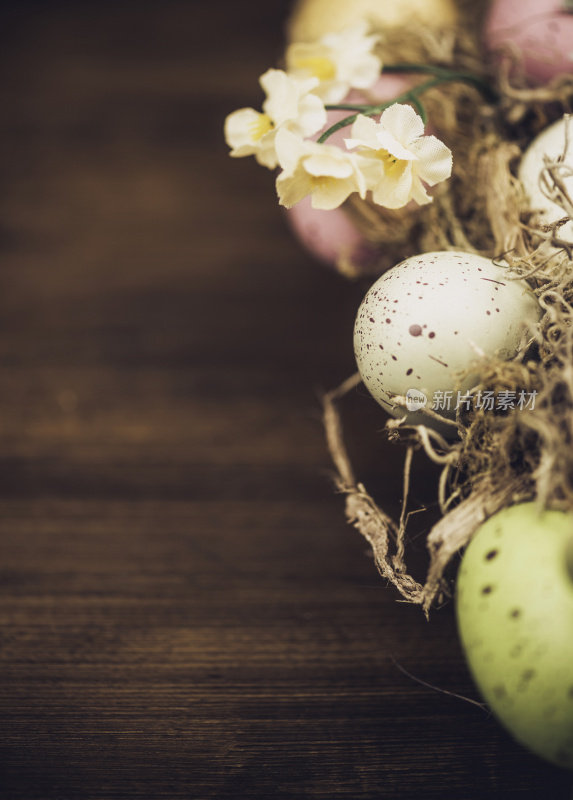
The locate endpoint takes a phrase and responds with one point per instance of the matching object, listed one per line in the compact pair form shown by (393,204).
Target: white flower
(289,103)
(323,171)
(399,156)
(341,61)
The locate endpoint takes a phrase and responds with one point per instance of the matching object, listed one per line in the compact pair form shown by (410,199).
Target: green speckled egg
(514,605)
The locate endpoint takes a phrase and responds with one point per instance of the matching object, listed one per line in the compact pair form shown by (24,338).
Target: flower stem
(348,107)
(449,74)
(411,96)
(441,76)
(419,106)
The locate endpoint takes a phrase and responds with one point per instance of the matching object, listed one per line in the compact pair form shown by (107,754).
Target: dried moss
(498,458)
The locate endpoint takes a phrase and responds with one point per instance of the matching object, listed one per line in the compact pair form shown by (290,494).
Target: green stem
(348,107)
(443,72)
(410,96)
(418,105)
(441,76)
(342,124)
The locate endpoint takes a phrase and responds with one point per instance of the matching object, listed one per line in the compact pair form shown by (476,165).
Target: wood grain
(184,613)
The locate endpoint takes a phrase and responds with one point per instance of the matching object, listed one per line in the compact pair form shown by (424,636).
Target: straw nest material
(496,458)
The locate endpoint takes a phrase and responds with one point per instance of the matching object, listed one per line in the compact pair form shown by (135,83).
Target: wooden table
(184,612)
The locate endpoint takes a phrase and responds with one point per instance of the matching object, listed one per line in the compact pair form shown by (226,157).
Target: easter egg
(514,606)
(333,236)
(540,31)
(427,319)
(311,19)
(551,142)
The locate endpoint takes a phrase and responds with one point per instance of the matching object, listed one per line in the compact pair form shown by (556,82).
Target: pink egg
(332,236)
(541,31)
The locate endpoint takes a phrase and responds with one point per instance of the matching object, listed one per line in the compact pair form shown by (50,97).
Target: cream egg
(541,31)
(427,319)
(312,19)
(551,143)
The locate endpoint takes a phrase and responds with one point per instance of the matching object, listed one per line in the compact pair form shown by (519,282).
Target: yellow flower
(341,61)
(290,103)
(325,172)
(397,158)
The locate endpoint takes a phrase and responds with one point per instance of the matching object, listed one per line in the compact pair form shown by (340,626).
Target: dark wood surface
(184,612)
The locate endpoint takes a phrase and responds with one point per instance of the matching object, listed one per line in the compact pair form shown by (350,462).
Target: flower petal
(332,195)
(319,164)
(311,60)
(352,37)
(370,172)
(239,127)
(311,115)
(419,194)
(266,154)
(385,140)
(434,159)
(402,122)
(292,188)
(283,94)
(332,91)
(289,149)
(341,61)
(363,133)
(367,73)
(394,191)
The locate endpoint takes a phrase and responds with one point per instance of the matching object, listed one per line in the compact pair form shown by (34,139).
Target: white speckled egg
(551,143)
(428,317)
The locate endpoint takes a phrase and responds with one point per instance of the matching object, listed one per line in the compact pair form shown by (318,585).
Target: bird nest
(494,458)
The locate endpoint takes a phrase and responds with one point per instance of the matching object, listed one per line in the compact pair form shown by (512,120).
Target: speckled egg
(540,31)
(428,318)
(551,143)
(514,605)
(313,18)
(333,236)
